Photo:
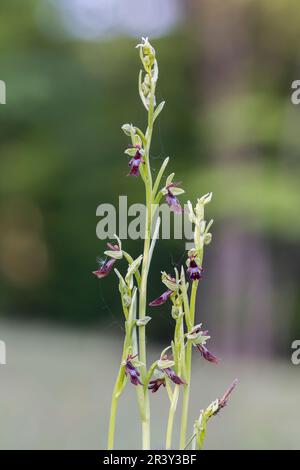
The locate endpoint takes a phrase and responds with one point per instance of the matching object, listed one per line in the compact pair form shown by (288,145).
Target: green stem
(130,260)
(172,412)
(150,372)
(188,357)
(119,384)
(113,413)
(190,441)
(179,349)
(144,279)
(169,389)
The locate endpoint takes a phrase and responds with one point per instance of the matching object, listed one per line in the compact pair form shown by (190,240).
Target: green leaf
(132,268)
(122,281)
(154,238)
(132,310)
(158,110)
(207,238)
(159,177)
(143,321)
(126,128)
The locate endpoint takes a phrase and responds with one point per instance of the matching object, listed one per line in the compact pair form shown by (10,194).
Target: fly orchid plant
(172,370)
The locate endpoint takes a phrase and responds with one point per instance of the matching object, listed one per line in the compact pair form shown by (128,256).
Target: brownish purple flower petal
(194,271)
(173,202)
(173,376)
(104,268)
(161,299)
(171,198)
(135,162)
(155,384)
(206,354)
(132,371)
(113,247)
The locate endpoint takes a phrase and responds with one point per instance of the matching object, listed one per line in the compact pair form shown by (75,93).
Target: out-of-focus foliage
(62,155)
(61,152)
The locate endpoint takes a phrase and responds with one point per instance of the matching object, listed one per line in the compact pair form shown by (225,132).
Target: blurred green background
(226,70)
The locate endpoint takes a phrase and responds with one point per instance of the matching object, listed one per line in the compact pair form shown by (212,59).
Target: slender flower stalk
(147,54)
(188,366)
(171,373)
(179,353)
(196,255)
(200,424)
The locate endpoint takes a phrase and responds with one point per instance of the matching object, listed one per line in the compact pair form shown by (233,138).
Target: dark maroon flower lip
(206,354)
(161,299)
(135,162)
(104,268)
(194,271)
(173,376)
(155,384)
(172,200)
(131,371)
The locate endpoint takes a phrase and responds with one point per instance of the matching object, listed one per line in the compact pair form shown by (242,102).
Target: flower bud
(131,370)
(205,199)
(143,321)
(147,54)
(126,300)
(134,266)
(169,281)
(175,312)
(128,129)
(207,238)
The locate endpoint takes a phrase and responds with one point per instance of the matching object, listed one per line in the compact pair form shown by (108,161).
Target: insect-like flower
(114,253)
(199,338)
(161,299)
(156,383)
(194,271)
(171,283)
(206,354)
(135,161)
(104,267)
(173,376)
(165,365)
(171,198)
(131,371)
(197,335)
